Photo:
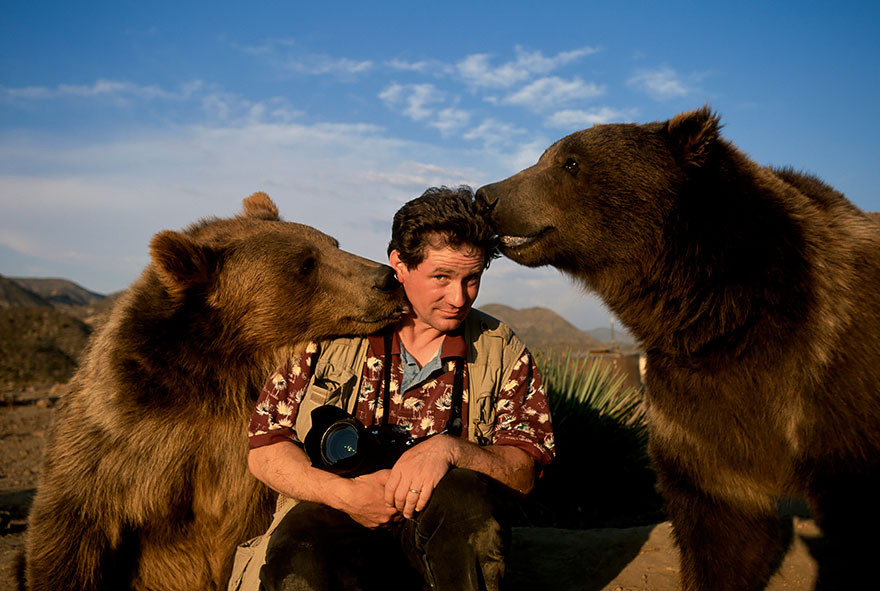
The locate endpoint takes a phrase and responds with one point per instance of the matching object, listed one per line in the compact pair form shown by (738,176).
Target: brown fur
(145,482)
(755,293)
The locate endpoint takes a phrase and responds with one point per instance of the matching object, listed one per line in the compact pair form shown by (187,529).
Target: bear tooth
(514,240)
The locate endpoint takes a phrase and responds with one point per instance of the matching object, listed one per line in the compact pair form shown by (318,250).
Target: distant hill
(44,327)
(621,337)
(60,291)
(39,345)
(14,295)
(543,329)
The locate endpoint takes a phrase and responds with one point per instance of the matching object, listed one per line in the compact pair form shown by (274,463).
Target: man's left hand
(418,471)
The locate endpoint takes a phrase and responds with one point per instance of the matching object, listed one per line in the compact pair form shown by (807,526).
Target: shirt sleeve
(522,413)
(274,418)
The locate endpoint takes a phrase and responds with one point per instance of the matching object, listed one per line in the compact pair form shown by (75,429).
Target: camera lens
(340,441)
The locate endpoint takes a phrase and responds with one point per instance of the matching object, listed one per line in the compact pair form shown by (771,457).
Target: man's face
(442,288)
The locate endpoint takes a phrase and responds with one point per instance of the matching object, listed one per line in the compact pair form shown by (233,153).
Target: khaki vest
(493,350)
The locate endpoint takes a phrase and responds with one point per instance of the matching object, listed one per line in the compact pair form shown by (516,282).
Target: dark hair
(450,214)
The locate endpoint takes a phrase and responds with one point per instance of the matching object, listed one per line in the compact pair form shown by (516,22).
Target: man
(458,378)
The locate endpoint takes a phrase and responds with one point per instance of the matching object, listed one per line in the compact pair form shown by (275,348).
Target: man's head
(441,217)
(440,245)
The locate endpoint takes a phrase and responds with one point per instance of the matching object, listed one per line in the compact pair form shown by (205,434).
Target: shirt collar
(453,345)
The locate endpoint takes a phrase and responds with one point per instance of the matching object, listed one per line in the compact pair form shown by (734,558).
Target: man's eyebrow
(444,270)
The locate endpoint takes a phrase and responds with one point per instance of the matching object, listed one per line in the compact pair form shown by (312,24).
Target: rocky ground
(633,559)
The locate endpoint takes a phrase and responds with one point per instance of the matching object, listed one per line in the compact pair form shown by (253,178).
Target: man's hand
(417,472)
(365,502)
(285,467)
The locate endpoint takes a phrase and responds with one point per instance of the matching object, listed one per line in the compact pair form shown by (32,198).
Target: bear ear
(259,206)
(693,134)
(181,262)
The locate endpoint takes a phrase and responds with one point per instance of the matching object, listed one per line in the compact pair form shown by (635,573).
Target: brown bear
(145,482)
(756,295)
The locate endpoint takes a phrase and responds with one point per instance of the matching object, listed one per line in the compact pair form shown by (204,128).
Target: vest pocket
(334,388)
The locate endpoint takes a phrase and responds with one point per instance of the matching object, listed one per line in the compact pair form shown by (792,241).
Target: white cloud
(574,118)
(103,88)
(450,120)
(422,66)
(227,107)
(494,133)
(414,177)
(282,54)
(325,64)
(548,92)
(414,98)
(664,83)
(477,70)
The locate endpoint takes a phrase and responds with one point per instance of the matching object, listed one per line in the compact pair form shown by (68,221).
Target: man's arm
(521,423)
(284,467)
(421,469)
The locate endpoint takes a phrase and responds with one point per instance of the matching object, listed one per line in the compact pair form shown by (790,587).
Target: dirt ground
(633,559)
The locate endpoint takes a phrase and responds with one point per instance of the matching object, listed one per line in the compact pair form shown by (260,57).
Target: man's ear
(181,262)
(398,265)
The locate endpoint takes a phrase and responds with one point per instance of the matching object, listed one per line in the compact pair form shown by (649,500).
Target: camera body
(339,443)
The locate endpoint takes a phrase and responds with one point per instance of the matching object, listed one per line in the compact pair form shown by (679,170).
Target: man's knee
(463,489)
(302,549)
(464,503)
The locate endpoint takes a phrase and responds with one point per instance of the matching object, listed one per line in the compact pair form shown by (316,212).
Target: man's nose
(456,295)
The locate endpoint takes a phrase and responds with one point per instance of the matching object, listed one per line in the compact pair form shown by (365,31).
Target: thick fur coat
(145,482)
(756,295)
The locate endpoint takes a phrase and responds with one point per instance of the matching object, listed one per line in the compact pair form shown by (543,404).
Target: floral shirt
(522,413)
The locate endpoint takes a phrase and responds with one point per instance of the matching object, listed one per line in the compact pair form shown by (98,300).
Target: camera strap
(454,424)
(387,370)
(453,427)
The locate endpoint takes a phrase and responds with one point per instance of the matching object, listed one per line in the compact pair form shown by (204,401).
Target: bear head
(255,281)
(599,196)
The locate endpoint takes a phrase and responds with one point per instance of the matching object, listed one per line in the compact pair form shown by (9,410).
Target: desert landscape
(46,323)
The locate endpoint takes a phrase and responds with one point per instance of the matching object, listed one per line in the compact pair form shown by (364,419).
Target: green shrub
(601,476)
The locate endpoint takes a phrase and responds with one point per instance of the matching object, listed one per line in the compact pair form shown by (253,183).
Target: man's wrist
(457,449)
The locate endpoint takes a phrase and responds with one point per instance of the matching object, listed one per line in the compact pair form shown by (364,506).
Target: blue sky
(120,119)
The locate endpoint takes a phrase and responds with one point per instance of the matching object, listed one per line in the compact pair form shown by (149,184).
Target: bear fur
(756,295)
(145,483)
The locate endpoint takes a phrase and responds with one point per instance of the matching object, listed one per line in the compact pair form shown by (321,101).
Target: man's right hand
(364,500)
(285,467)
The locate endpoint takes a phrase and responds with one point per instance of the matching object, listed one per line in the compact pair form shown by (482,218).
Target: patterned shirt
(522,413)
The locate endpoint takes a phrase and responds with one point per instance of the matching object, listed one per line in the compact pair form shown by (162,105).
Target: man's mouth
(453,313)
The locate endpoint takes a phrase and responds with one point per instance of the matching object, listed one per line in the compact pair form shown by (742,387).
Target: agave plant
(601,476)
(578,386)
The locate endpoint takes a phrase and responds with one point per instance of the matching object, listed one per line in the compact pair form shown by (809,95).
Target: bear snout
(384,279)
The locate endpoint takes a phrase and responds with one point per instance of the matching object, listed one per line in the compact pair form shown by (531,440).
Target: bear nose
(384,279)
(486,197)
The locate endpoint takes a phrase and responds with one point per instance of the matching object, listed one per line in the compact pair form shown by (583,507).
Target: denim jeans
(457,543)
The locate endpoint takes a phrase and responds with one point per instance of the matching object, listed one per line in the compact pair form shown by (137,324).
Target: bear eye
(307,266)
(571,166)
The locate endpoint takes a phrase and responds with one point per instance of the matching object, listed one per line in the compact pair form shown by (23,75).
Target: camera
(339,443)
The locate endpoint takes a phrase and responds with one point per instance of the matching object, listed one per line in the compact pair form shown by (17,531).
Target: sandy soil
(634,559)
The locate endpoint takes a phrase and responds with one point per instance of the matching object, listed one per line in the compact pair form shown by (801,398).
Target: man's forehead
(448,257)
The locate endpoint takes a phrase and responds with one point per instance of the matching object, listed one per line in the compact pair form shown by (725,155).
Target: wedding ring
(414,491)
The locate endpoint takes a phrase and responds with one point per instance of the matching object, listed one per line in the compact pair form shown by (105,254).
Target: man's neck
(421,340)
